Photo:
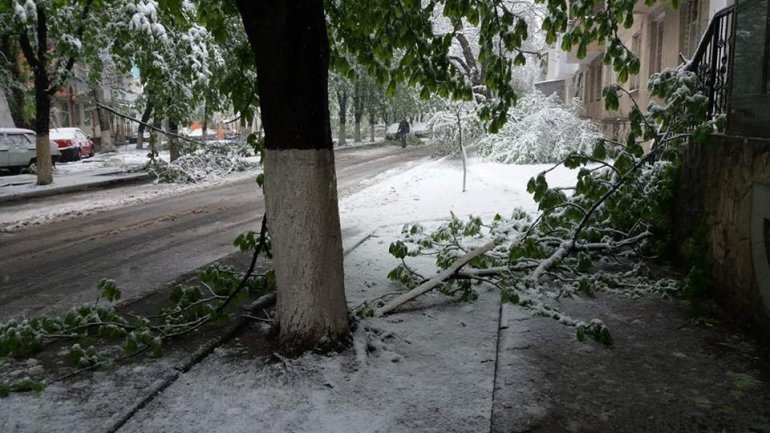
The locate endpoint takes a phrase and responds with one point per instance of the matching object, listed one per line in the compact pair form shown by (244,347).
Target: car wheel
(76,156)
(14,170)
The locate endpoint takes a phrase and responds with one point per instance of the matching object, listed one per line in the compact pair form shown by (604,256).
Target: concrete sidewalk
(102,170)
(21,187)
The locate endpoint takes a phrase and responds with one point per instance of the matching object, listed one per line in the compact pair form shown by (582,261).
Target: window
(656,44)
(636,47)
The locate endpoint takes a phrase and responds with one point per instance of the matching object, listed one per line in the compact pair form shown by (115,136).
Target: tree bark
(140,131)
(205,124)
(173,142)
(462,147)
(342,140)
(372,121)
(358,108)
(291,50)
(154,138)
(107,143)
(38,60)
(342,100)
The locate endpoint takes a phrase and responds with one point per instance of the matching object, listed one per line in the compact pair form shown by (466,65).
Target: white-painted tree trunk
(303,215)
(43,165)
(343,137)
(357,136)
(105,128)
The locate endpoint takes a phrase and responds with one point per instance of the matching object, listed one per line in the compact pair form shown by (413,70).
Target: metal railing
(712,60)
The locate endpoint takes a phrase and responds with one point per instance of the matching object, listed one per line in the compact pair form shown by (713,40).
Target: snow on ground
(430,368)
(430,192)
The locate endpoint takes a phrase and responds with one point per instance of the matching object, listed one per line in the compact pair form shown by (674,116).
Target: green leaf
(611,101)
(600,151)
(108,289)
(398,250)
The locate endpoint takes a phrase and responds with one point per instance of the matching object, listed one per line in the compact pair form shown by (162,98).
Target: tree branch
(435,281)
(146,125)
(71,61)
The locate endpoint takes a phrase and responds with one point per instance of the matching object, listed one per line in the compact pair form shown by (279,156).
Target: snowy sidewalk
(438,365)
(101,170)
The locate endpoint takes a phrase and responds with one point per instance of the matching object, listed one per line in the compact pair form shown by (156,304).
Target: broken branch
(435,281)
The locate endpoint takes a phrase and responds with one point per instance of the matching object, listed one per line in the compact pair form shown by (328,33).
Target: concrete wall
(6,121)
(548,88)
(725,193)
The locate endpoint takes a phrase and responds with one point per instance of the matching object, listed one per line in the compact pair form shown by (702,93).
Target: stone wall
(723,194)
(548,88)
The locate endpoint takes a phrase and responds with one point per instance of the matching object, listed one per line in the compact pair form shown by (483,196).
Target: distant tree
(342,91)
(49,35)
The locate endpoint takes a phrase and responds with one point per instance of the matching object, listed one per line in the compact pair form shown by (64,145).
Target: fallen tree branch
(435,281)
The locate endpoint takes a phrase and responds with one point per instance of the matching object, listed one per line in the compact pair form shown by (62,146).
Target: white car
(17,149)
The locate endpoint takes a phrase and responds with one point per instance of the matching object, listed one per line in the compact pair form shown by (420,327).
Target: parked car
(391,133)
(17,149)
(417,129)
(73,143)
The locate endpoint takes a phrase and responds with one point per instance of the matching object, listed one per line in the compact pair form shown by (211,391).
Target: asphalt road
(48,268)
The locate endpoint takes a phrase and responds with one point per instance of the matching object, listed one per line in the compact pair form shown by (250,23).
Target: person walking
(403,132)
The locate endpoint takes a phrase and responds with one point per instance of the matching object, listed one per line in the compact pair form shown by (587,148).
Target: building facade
(662,37)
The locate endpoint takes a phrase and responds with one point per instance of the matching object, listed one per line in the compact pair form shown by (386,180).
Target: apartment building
(723,197)
(72,105)
(662,36)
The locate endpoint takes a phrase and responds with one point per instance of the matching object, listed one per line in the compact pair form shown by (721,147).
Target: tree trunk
(173,142)
(244,129)
(372,121)
(205,124)
(342,101)
(37,57)
(107,143)
(462,147)
(154,138)
(140,131)
(358,107)
(291,49)
(342,137)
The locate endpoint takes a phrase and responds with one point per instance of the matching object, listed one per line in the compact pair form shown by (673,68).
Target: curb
(129,178)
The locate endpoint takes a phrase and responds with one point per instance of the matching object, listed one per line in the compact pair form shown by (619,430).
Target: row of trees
(179,60)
